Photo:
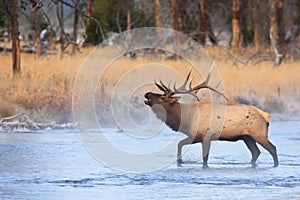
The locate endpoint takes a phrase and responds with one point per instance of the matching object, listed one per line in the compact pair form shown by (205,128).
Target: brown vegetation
(44,89)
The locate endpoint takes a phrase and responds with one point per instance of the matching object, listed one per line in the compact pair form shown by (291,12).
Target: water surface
(55,165)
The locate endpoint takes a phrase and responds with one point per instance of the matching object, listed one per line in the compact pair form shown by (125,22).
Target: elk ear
(174,99)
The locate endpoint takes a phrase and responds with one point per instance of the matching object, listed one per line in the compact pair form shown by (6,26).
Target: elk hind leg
(251,144)
(270,148)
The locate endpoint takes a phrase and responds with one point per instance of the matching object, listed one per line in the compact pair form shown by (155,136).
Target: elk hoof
(205,166)
(276,165)
(253,165)
(179,160)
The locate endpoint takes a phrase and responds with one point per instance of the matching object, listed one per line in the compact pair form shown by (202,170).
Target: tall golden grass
(44,88)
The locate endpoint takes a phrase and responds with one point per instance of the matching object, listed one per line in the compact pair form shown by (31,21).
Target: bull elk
(247,123)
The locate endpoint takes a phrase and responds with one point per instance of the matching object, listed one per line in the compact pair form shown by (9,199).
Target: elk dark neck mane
(173,115)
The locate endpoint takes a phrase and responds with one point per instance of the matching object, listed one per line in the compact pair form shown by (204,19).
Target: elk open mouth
(147,102)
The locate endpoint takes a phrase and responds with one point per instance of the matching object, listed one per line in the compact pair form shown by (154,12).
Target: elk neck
(174,116)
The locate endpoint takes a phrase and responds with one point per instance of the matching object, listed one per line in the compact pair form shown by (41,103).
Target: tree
(12,8)
(113,18)
(235,25)
(125,7)
(89,10)
(280,24)
(157,14)
(158,23)
(62,37)
(203,21)
(175,15)
(183,15)
(5,20)
(205,25)
(128,18)
(244,4)
(15,37)
(175,26)
(117,16)
(75,26)
(255,8)
(2,15)
(36,25)
(277,30)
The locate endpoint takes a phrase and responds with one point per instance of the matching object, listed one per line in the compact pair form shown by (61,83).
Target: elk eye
(163,98)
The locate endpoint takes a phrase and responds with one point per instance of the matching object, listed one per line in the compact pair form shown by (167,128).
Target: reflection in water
(54,165)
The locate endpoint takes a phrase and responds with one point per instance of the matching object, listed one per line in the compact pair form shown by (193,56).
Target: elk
(197,121)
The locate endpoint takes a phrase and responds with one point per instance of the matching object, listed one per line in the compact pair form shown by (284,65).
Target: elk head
(167,98)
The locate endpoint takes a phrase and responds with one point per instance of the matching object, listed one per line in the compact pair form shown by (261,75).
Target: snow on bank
(21,123)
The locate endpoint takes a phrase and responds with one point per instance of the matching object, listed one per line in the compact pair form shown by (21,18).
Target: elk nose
(147,95)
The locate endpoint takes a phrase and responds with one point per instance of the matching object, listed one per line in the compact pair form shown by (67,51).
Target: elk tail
(266,115)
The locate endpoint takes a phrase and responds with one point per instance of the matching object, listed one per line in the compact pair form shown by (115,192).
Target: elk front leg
(183,142)
(205,151)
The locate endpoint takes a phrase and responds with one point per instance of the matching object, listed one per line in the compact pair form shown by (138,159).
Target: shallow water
(55,165)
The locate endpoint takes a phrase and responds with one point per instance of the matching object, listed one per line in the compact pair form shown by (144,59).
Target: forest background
(255,44)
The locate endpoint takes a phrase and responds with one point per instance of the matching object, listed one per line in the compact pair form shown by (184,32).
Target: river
(54,164)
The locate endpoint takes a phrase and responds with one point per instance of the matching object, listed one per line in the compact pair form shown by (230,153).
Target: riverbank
(44,89)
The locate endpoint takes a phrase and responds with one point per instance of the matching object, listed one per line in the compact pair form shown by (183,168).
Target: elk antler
(188,90)
(164,88)
(183,90)
(205,85)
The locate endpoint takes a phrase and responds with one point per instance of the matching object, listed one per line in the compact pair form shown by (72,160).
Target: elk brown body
(201,122)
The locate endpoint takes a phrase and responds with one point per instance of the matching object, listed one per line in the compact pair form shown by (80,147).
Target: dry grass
(44,89)
(272,89)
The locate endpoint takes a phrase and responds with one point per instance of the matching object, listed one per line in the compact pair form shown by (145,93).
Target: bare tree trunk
(275,32)
(37,31)
(157,14)
(175,15)
(183,14)
(62,37)
(205,25)
(280,24)
(75,28)
(158,23)
(89,10)
(37,28)
(128,19)
(243,21)
(15,37)
(255,8)
(175,26)
(235,25)
(128,33)
(203,21)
